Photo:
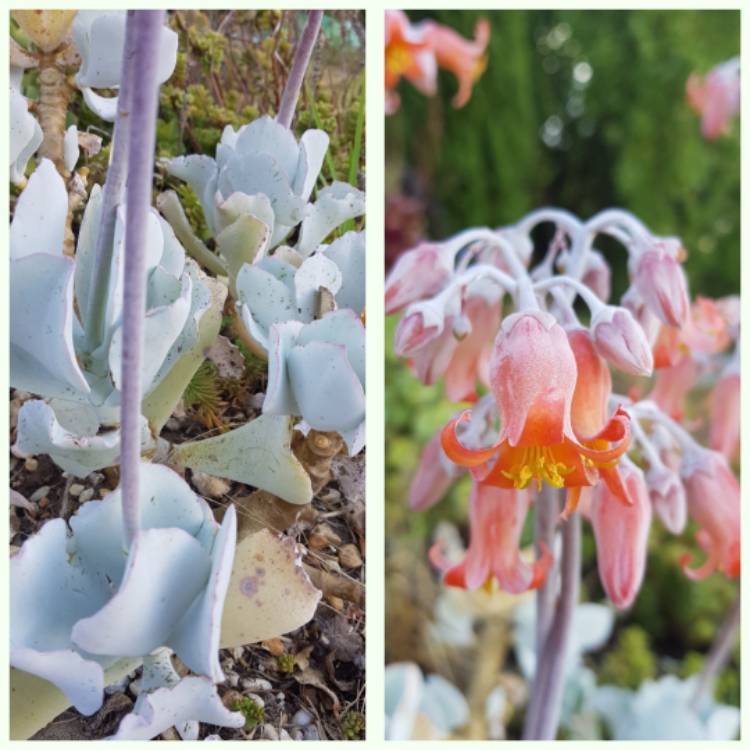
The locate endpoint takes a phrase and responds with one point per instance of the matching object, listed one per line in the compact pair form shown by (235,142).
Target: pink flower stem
(302,55)
(112,196)
(543,716)
(147,26)
(719,655)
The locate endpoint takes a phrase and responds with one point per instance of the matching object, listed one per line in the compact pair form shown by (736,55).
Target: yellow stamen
(538,464)
(398,59)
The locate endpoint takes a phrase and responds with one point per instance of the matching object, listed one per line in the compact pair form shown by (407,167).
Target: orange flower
(409,55)
(464,58)
(534,374)
(496,518)
(713,495)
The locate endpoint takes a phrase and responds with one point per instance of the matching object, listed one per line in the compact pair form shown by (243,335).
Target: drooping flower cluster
(477,313)
(415,51)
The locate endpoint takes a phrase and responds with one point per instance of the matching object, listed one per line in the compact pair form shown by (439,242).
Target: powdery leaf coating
(258,454)
(269,591)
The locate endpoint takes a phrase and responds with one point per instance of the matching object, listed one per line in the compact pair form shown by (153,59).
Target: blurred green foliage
(582,110)
(630,661)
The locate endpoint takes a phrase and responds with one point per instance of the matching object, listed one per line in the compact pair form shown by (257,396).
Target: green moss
(286,663)
(253,712)
(353,725)
(631,661)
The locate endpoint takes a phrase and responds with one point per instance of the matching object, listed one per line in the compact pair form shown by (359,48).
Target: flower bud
(418,273)
(597,275)
(620,340)
(725,415)
(668,497)
(662,284)
(412,334)
(435,474)
(621,533)
(713,495)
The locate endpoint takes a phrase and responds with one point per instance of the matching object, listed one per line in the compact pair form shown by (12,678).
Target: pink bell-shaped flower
(621,536)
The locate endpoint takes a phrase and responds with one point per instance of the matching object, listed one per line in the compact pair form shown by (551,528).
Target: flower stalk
(543,715)
(719,655)
(302,55)
(145,27)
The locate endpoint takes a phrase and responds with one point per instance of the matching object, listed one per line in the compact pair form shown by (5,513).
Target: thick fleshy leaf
(38,224)
(269,592)
(192,699)
(240,243)
(158,601)
(348,253)
(171,208)
(104,107)
(42,357)
(162,326)
(335,204)
(257,454)
(45,609)
(86,253)
(25,135)
(326,387)
(403,693)
(342,327)
(34,702)
(39,432)
(312,151)
(71,149)
(196,637)
(100,39)
(202,328)
(240,204)
(261,173)
(199,172)
(266,136)
(315,273)
(265,293)
(279,394)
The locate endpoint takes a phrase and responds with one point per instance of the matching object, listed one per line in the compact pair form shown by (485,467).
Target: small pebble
(86,495)
(117,687)
(39,494)
(297,734)
(284,735)
(311,733)
(256,400)
(257,685)
(104,491)
(170,734)
(209,486)
(31,464)
(301,718)
(233,679)
(173,424)
(135,687)
(269,732)
(237,653)
(75,490)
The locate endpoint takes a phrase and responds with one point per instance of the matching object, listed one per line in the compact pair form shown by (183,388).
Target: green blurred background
(583,110)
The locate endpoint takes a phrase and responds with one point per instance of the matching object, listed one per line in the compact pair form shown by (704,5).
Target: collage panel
(562,374)
(187,374)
